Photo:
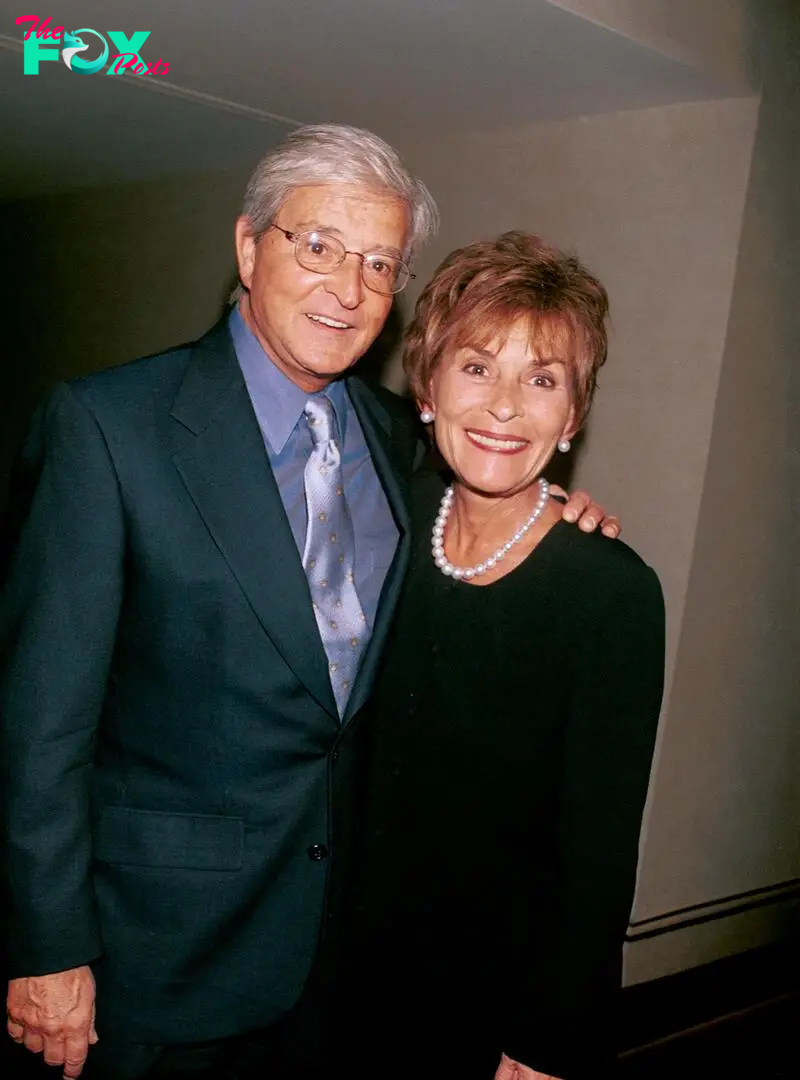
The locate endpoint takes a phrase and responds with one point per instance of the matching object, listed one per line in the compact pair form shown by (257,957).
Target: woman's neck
(479,524)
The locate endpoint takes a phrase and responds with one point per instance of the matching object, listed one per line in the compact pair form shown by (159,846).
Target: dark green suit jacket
(170,744)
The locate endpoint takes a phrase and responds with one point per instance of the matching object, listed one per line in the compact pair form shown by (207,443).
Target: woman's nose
(506,404)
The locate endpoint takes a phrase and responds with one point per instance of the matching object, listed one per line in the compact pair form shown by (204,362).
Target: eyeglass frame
(296,237)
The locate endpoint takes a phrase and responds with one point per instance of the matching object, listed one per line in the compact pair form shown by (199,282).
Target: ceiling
(243,73)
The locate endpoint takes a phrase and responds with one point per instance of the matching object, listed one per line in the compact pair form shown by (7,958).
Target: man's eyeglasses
(323,253)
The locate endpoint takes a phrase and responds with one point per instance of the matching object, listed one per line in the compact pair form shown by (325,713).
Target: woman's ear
(425,408)
(572,426)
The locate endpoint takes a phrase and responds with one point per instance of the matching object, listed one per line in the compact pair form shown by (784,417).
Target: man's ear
(245,251)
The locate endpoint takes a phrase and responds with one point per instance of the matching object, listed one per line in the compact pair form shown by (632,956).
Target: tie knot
(321,418)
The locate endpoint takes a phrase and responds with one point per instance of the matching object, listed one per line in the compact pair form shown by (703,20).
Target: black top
(512,739)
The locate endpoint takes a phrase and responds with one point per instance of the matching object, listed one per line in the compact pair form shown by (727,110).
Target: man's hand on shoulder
(588,514)
(53,1015)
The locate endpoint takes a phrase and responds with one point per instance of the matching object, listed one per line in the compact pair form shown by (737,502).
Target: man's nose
(346,282)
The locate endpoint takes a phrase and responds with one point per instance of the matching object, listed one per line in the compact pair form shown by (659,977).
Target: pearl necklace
(467,572)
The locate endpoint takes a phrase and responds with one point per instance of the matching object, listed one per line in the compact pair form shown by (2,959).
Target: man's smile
(326,320)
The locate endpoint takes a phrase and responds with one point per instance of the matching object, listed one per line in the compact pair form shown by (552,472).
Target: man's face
(286,304)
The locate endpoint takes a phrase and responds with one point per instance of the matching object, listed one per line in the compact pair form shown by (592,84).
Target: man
(211,544)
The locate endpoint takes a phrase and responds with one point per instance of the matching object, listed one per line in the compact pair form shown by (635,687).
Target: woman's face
(500,411)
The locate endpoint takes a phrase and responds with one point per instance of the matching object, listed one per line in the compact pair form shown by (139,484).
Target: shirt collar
(278,402)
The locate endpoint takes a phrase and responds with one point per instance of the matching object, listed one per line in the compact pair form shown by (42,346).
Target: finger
(53,1050)
(33,1040)
(612,527)
(592,516)
(15,1030)
(76,1050)
(576,504)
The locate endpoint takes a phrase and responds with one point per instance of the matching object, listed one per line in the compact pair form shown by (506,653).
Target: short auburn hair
(480,291)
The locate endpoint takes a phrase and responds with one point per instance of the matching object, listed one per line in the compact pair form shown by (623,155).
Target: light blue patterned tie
(329,554)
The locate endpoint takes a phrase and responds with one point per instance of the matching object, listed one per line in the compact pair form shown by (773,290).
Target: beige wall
(712,35)
(732,745)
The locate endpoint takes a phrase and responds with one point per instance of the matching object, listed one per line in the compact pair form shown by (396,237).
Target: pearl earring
(564,445)
(426,416)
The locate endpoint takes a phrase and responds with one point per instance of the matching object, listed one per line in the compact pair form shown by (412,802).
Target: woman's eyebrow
(477,350)
(548,361)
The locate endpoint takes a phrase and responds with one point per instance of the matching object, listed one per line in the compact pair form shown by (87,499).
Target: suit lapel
(228,476)
(377,427)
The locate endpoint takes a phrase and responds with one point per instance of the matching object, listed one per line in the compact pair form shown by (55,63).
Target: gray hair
(335,154)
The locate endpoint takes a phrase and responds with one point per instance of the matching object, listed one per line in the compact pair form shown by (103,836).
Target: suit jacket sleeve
(58,614)
(562,1025)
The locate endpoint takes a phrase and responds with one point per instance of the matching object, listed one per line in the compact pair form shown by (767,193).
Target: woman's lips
(496,444)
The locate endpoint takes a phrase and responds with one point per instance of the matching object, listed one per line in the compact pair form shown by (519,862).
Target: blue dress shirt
(279,406)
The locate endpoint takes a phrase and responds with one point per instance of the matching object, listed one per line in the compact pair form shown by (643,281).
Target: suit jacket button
(317,852)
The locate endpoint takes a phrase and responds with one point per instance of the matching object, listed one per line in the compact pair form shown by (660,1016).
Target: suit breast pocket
(126,836)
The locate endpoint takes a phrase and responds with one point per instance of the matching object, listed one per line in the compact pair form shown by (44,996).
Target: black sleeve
(562,1024)
(59,606)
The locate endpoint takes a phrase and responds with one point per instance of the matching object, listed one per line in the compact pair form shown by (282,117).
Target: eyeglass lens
(322,254)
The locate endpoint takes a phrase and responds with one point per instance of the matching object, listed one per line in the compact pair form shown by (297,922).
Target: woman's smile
(496,443)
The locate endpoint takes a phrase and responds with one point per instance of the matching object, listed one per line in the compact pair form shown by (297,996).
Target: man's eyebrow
(315,226)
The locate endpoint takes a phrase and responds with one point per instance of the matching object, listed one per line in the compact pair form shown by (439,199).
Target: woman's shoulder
(594,563)
(601,589)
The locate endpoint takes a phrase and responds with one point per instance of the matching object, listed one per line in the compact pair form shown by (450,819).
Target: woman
(516,713)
